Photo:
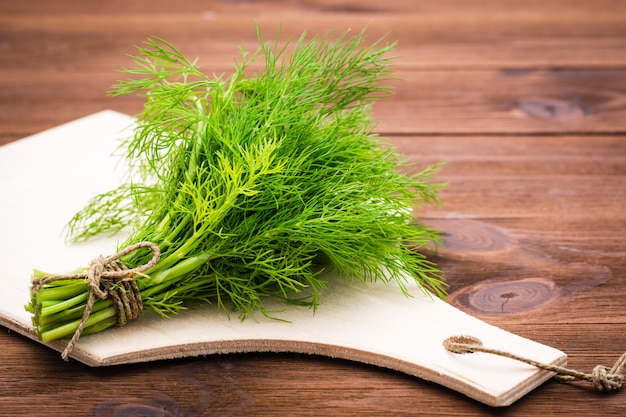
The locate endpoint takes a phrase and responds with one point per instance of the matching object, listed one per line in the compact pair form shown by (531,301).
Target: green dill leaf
(256,185)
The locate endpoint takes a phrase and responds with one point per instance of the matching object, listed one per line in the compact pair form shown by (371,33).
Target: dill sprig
(255,185)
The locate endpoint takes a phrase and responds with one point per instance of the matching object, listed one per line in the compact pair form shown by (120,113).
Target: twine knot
(94,275)
(107,277)
(603,378)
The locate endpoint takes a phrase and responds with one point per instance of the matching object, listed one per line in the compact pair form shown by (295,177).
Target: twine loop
(603,378)
(107,277)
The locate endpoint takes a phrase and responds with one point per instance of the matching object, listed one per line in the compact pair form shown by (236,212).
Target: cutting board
(46,178)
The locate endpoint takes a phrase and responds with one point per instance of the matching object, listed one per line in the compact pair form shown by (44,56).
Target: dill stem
(72,313)
(51,307)
(67,329)
(65,313)
(174,233)
(62,290)
(179,268)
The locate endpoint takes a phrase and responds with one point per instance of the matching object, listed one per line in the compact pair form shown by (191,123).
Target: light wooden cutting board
(46,178)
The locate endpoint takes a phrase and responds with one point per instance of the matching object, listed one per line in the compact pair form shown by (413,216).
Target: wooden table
(525,100)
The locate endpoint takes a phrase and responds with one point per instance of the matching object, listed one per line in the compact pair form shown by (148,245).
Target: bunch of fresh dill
(253,187)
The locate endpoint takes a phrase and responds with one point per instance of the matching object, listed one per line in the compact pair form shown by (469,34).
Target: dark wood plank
(425,102)
(502,101)
(484,69)
(451,34)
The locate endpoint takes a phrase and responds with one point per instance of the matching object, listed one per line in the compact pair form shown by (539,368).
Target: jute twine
(108,278)
(603,378)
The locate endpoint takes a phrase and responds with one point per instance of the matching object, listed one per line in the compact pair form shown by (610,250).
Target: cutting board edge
(269,345)
(244,346)
(27,331)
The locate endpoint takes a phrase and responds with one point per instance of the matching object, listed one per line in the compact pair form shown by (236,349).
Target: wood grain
(425,102)
(490,68)
(524,99)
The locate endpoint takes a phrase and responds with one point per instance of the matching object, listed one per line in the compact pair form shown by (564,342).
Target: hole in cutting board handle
(450,342)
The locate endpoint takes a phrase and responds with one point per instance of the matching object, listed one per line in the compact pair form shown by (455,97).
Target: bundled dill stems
(254,186)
